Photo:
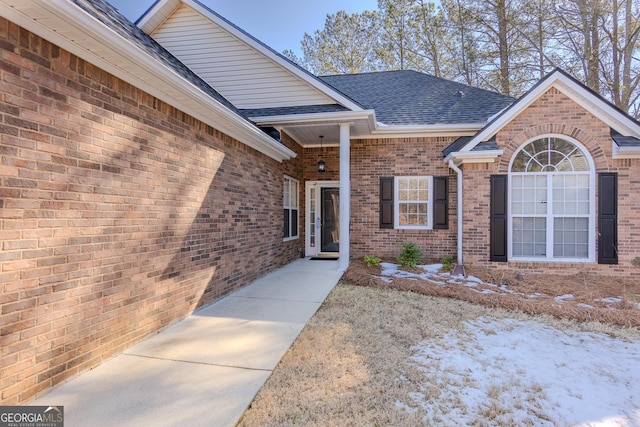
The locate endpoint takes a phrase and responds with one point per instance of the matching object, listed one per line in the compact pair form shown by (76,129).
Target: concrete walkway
(206,369)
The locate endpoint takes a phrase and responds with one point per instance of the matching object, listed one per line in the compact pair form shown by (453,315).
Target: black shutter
(498,218)
(386,202)
(440,202)
(607,218)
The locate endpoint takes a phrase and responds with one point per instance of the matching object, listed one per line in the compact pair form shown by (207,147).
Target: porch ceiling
(306,129)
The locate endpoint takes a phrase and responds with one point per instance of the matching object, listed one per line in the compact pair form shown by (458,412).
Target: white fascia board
(312,118)
(618,153)
(482,156)
(139,69)
(600,108)
(403,131)
(293,69)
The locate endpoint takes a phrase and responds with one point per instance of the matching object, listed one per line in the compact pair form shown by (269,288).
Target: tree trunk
(503,46)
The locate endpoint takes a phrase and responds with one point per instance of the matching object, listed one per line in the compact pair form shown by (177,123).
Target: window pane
(550,155)
(413,214)
(294,223)
(579,161)
(571,237)
(295,194)
(529,194)
(569,195)
(287,191)
(529,237)
(286,229)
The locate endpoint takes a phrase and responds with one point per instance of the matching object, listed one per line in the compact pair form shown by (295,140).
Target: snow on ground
(514,372)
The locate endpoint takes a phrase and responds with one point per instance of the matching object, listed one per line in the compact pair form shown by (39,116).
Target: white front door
(322,218)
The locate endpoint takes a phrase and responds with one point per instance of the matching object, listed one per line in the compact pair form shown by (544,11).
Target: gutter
(459,211)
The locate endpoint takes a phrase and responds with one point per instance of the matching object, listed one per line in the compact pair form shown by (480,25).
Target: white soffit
(243,70)
(65,24)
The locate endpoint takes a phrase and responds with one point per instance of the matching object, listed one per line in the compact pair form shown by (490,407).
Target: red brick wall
(118,214)
(372,159)
(553,113)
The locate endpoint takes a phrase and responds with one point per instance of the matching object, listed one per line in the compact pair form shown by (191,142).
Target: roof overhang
(65,24)
(305,128)
(481,156)
(563,82)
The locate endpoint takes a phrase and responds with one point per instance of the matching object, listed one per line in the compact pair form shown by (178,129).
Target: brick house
(148,170)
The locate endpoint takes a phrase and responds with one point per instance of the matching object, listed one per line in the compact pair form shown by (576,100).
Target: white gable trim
(597,106)
(149,22)
(65,24)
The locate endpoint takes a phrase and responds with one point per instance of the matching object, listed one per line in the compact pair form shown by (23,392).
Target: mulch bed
(605,299)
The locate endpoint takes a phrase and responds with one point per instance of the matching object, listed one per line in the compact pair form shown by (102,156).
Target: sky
(522,372)
(280,24)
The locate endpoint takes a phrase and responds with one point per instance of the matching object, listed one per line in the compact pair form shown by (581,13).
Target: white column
(345,195)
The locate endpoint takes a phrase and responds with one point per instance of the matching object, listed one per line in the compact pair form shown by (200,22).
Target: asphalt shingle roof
(624,141)
(412,98)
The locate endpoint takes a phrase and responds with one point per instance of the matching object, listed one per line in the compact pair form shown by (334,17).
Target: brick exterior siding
(118,214)
(552,113)
(372,159)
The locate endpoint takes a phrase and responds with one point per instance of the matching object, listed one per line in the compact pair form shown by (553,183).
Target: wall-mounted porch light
(321,164)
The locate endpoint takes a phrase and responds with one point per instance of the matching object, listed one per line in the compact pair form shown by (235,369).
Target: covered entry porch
(326,194)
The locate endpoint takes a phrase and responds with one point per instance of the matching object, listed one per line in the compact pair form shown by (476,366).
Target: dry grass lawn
(351,364)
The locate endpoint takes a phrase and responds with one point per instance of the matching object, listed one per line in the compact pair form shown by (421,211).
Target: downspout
(459,211)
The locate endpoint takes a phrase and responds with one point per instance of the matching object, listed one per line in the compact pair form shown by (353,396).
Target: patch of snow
(528,373)
(432,268)
(563,297)
(474,279)
(483,291)
(610,300)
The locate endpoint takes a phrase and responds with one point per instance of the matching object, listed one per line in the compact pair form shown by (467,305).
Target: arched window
(551,203)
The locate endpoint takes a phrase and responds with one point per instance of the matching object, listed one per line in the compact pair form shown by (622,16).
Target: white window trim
(592,208)
(396,205)
(285,206)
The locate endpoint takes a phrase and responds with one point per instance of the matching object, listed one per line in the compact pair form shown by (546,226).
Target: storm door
(322,225)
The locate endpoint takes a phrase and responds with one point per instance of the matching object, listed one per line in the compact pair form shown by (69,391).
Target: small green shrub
(371,261)
(448,262)
(410,256)
(636,261)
